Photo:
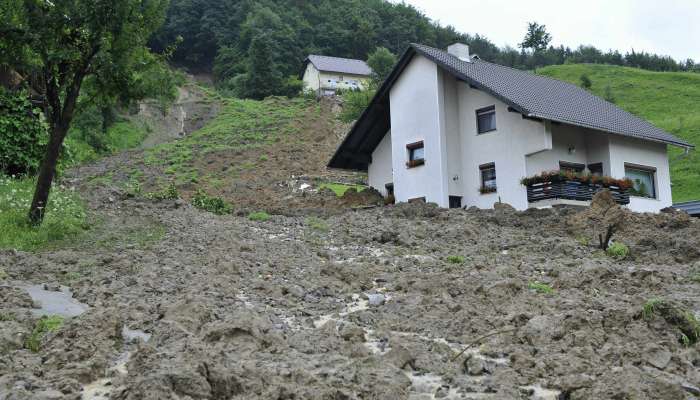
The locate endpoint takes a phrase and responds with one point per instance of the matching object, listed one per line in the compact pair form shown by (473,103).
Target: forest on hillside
(228,37)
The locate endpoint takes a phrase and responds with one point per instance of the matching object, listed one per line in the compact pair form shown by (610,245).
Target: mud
(227,308)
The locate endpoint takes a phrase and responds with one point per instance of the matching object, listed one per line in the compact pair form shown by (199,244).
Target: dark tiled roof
(342,65)
(691,207)
(547,98)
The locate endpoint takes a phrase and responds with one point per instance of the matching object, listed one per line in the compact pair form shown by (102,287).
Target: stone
(375,299)
(475,366)
(657,356)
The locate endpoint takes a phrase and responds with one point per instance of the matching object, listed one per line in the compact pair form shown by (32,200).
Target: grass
(317,224)
(684,320)
(240,125)
(541,288)
(340,188)
(43,326)
(669,100)
(260,216)
(212,204)
(169,192)
(456,259)
(65,217)
(618,251)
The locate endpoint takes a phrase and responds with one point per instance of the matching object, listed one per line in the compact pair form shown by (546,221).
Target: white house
(324,75)
(458,131)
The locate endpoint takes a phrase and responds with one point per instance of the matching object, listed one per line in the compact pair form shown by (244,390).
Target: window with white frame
(643,180)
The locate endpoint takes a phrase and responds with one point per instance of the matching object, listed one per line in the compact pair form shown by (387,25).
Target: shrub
(261,216)
(354,103)
(167,193)
(684,320)
(585,81)
(456,259)
(23,134)
(541,288)
(215,205)
(42,327)
(564,176)
(618,250)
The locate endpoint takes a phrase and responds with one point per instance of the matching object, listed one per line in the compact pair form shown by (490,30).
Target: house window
(486,119)
(416,154)
(596,169)
(643,179)
(455,201)
(488,178)
(575,168)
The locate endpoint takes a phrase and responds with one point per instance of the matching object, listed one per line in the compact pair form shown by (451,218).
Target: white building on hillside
(458,131)
(325,75)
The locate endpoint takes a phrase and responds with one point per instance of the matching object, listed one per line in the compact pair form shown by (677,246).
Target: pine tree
(263,78)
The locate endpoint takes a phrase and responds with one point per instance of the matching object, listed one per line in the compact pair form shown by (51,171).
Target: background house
(455,130)
(325,75)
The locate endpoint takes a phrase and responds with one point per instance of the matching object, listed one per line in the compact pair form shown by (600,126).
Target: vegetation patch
(618,250)
(540,287)
(317,224)
(456,259)
(212,204)
(674,315)
(340,188)
(168,192)
(260,216)
(65,216)
(43,326)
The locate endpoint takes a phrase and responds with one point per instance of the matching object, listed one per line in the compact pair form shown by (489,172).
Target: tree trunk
(47,171)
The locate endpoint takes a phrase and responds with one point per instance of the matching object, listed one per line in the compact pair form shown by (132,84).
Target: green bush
(456,259)
(65,217)
(215,205)
(23,134)
(618,251)
(354,103)
(167,193)
(42,327)
(541,288)
(261,216)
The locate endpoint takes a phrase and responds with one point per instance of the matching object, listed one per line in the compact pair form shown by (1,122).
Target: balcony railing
(572,190)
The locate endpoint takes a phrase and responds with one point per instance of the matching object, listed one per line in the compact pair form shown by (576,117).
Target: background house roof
(336,64)
(532,95)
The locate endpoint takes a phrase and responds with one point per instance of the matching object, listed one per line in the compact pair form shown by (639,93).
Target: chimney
(459,50)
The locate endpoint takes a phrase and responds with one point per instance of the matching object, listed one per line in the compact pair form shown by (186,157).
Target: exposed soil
(353,303)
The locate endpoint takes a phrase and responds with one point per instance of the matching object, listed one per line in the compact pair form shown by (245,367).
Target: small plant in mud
(3,275)
(263,158)
(694,275)
(676,316)
(133,188)
(317,224)
(43,326)
(7,317)
(618,251)
(540,287)
(260,216)
(456,259)
(167,193)
(212,204)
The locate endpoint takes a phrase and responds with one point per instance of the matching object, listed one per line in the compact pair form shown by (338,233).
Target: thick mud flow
(401,302)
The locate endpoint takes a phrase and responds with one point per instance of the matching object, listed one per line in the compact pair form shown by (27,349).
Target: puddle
(430,386)
(132,335)
(54,303)
(540,393)
(102,388)
(358,304)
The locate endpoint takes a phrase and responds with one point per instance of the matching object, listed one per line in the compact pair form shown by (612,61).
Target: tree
(382,61)
(263,78)
(586,82)
(537,38)
(64,42)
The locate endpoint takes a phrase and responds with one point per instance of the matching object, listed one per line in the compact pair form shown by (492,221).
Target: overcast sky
(667,27)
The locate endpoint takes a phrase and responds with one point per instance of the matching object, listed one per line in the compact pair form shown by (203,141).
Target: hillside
(149,296)
(669,100)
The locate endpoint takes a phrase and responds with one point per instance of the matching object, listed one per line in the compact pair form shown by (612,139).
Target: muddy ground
(171,302)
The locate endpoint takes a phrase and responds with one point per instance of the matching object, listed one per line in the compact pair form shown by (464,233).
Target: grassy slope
(669,100)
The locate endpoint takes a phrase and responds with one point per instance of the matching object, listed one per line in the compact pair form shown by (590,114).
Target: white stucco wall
(416,116)
(430,105)
(634,151)
(311,78)
(380,171)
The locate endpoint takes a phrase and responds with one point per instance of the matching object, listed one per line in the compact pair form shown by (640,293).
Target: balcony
(563,188)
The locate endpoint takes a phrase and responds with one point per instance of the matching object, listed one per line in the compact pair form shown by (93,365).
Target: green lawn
(340,188)
(669,100)
(65,217)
